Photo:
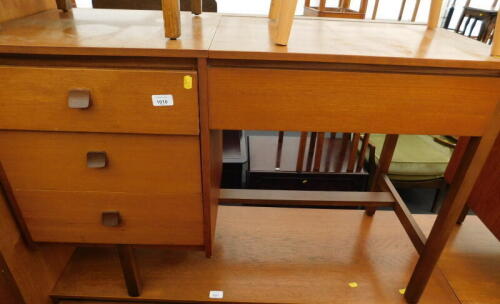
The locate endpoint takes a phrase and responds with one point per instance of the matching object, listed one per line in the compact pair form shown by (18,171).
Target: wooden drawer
(121,100)
(320,100)
(135,163)
(76,217)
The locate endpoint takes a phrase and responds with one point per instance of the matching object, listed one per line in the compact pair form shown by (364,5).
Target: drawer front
(77,217)
(134,163)
(121,100)
(312,100)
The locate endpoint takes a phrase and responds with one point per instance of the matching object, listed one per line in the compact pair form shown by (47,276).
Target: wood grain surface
(107,32)
(147,219)
(121,100)
(470,261)
(313,100)
(104,32)
(136,163)
(349,41)
(270,255)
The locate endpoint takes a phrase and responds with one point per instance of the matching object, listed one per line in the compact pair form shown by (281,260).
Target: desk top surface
(140,33)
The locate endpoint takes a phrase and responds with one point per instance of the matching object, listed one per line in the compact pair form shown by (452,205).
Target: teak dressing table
(90,157)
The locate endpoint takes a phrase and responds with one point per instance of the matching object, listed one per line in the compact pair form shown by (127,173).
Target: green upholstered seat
(416,158)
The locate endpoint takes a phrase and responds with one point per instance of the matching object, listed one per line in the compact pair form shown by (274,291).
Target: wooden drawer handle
(79,99)
(97,160)
(111,218)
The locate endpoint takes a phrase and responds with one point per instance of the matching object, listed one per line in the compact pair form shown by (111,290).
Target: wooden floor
(277,255)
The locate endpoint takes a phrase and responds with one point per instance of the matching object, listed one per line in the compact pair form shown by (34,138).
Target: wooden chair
(419,161)
(313,161)
(487,18)
(342,11)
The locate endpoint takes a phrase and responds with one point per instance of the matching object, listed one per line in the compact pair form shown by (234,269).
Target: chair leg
(436,196)
(285,21)
(383,167)
(463,214)
(274,9)
(459,24)
(130,270)
(172,18)
(472,27)
(196,7)
(64,5)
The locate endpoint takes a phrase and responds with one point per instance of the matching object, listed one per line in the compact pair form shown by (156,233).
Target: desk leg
(476,155)
(172,18)
(383,165)
(130,270)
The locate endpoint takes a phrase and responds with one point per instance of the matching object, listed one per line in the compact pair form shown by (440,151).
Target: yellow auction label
(188,82)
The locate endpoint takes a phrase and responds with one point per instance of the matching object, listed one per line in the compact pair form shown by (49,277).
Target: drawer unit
(121,100)
(150,183)
(317,100)
(174,218)
(134,163)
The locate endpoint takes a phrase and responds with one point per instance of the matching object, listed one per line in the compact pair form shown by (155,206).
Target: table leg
(130,270)
(172,18)
(473,161)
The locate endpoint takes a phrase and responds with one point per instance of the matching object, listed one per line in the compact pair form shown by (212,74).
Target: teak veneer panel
(140,33)
(37,99)
(135,163)
(350,41)
(310,100)
(107,32)
(269,255)
(147,219)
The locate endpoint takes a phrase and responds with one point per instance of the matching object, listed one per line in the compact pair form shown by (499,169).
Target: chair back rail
(313,156)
